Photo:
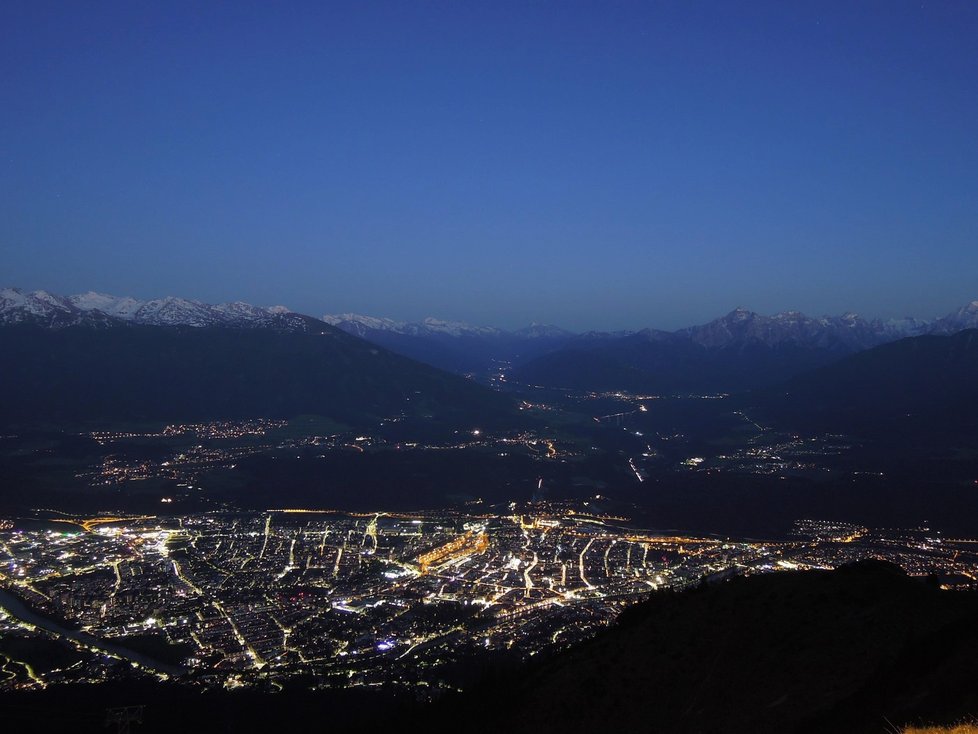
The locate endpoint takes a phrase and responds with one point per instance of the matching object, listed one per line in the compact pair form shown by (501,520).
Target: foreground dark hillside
(155,373)
(861,649)
(841,651)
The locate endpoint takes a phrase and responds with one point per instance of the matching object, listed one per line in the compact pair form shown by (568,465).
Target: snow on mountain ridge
(738,326)
(43,307)
(360,324)
(535,330)
(17,306)
(741,325)
(457,328)
(123,307)
(965,317)
(848,331)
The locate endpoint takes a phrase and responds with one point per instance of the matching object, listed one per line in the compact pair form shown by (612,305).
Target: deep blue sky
(600,165)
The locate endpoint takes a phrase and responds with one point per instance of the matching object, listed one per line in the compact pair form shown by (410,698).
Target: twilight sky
(595,165)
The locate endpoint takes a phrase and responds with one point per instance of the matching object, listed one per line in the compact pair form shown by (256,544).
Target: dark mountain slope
(863,649)
(790,652)
(460,354)
(156,373)
(919,384)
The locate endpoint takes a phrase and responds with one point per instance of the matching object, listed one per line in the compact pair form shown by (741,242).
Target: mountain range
(850,328)
(42,306)
(46,309)
(100,359)
(739,325)
(739,351)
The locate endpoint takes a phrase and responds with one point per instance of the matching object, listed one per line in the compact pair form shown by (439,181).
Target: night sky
(599,165)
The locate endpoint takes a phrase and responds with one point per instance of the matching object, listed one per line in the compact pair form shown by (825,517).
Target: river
(15,607)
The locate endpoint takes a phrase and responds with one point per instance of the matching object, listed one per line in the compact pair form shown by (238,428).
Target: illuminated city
(396,599)
(489,367)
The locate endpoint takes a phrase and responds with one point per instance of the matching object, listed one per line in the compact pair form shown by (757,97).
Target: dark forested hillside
(137,373)
(859,649)
(920,384)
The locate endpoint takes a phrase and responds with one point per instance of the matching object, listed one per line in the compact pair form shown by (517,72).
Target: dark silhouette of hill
(168,708)
(920,385)
(860,649)
(819,651)
(156,373)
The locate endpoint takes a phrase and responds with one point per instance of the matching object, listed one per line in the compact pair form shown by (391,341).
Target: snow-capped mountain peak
(542,331)
(359,324)
(47,309)
(17,306)
(740,326)
(121,307)
(965,317)
(456,328)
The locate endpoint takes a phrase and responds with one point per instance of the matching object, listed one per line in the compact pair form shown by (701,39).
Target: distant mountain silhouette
(454,346)
(740,351)
(926,382)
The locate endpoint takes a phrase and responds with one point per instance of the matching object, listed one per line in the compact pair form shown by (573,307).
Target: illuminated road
(264,545)
(580,565)
(256,659)
(631,463)
(526,572)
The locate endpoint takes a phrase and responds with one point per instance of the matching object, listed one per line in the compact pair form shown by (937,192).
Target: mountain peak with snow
(542,331)
(741,325)
(44,308)
(965,317)
(361,325)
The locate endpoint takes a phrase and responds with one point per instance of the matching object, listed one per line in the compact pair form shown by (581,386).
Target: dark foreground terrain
(860,649)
